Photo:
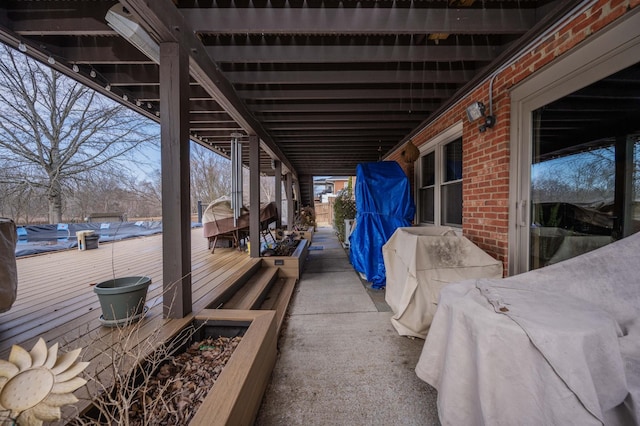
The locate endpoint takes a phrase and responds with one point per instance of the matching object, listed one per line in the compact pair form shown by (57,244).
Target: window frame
(436,145)
(425,187)
(605,53)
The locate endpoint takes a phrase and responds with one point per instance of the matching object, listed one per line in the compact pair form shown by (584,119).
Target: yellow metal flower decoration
(34,385)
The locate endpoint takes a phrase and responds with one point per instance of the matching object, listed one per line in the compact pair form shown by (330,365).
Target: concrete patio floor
(340,360)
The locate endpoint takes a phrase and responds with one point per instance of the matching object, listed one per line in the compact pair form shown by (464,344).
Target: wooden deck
(56,299)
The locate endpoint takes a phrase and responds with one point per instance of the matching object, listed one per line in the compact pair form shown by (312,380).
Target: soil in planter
(286,247)
(173,394)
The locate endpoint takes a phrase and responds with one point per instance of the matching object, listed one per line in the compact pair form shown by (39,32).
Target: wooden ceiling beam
(415,94)
(332,116)
(96,50)
(329,125)
(165,22)
(388,106)
(359,20)
(323,54)
(300,134)
(152,93)
(349,77)
(334,147)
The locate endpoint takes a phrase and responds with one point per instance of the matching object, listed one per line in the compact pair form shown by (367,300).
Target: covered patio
(314,89)
(485,92)
(334,320)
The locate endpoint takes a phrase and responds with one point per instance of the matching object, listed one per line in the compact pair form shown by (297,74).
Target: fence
(324,213)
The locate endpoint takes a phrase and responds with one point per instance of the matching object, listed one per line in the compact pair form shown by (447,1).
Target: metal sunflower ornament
(34,385)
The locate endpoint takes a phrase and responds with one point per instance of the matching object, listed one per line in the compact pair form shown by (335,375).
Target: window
(575,143)
(439,177)
(452,184)
(584,174)
(427,188)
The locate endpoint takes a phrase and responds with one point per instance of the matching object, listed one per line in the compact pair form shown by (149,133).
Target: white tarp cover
(555,346)
(217,218)
(420,261)
(8,269)
(220,209)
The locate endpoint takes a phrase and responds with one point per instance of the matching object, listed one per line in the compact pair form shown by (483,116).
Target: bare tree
(584,177)
(210,175)
(53,129)
(148,196)
(267,188)
(109,192)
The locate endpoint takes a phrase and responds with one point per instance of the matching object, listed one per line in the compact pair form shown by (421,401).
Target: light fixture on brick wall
(476,111)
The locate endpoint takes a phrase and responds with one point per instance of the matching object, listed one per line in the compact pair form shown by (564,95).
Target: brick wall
(486,155)
(339,185)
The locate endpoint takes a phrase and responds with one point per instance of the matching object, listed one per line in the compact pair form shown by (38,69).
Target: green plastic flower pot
(122,299)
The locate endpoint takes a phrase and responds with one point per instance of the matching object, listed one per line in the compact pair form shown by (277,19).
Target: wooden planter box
(237,394)
(290,266)
(307,235)
(303,235)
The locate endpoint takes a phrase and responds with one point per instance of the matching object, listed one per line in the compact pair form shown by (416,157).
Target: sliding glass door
(575,176)
(584,171)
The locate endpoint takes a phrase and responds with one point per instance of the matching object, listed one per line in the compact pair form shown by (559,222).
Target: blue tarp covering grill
(384,203)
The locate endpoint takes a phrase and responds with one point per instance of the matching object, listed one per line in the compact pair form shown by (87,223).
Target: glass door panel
(572,201)
(584,175)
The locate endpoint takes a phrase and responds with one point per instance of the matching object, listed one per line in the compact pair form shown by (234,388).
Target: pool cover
(34,239)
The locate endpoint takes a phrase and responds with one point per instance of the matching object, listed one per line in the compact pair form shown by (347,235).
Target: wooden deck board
(57,288)
(56,299)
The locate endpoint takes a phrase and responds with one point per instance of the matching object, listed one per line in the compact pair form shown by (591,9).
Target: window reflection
(585,183)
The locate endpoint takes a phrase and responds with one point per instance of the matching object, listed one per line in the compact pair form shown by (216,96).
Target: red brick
(487,155)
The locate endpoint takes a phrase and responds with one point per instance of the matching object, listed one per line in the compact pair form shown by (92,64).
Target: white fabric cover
(419,262)
(220,209)
(217,219)
(8,268)
(555,346)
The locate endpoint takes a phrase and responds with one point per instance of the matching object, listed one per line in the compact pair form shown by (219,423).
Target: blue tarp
(34,239)
(383,203)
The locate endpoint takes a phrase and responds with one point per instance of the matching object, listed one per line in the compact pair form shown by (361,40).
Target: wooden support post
(297,196)
(176,215)
(278,183)
(254,195)
(289,194)
(305,182)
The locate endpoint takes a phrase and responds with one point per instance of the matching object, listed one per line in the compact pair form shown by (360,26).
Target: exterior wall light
(476,111)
